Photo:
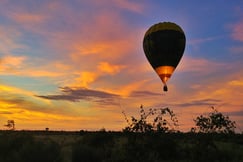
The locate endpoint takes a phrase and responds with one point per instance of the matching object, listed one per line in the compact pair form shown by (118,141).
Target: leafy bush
(159,124)
(215,122)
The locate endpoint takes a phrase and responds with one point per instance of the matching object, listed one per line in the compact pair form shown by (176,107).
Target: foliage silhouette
(22,147)
(93,147)
(26,146)
(10,124)
(159,123)
(214,122)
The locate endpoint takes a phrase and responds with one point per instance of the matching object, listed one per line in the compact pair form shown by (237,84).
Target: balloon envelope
(163,45)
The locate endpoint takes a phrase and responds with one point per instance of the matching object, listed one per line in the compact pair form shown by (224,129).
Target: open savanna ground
(82,146)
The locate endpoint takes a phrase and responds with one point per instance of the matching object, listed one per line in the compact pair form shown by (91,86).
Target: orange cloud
(84,79)
(126,90)
(20,66)
(236,82)
(108,68)
(9,64)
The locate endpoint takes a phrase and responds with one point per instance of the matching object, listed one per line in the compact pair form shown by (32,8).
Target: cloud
(237,49)
(13,90)
(203,102)
(23,102)
(109,68)
(130,5)
(237,31)
(81,93)
(13,102)
(199,65)
(5,112)
(126,5)
(235,113)
(28,18)
(143,94)
(85,78)
(94,45)
(236,83)
(203,40)
(23,67)
(10,63)
(12,99)
(9,40)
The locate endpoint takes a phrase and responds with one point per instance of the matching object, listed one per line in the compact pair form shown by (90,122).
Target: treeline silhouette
(84,146)
(19,146)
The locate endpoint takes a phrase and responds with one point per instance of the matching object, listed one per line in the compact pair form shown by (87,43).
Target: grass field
(61,146)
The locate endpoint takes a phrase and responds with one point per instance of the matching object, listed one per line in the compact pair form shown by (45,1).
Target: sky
(78,64)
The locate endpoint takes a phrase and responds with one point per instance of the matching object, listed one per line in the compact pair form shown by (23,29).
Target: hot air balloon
(163,45)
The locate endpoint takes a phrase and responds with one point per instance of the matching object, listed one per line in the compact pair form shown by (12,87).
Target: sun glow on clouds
(30,112)
(85,78)
(10,64)
(236,83)
(27,119)
(14,90)
(108,68)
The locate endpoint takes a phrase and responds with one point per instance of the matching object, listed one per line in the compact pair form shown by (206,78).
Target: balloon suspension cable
(165,88)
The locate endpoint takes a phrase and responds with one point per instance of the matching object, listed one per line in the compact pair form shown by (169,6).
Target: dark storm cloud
(77,94)
(144,93)
(204,102)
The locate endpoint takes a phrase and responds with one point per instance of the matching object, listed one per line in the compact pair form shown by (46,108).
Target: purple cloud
(144,93)
(77,94)
(203,102)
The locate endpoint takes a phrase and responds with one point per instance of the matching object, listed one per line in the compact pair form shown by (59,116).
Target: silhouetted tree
(214,122)
(10,124)
(159,124)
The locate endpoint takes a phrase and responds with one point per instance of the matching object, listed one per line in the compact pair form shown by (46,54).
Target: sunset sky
(77,64)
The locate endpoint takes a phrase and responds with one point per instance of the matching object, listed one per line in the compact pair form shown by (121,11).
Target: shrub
(215,122)
(160,122)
